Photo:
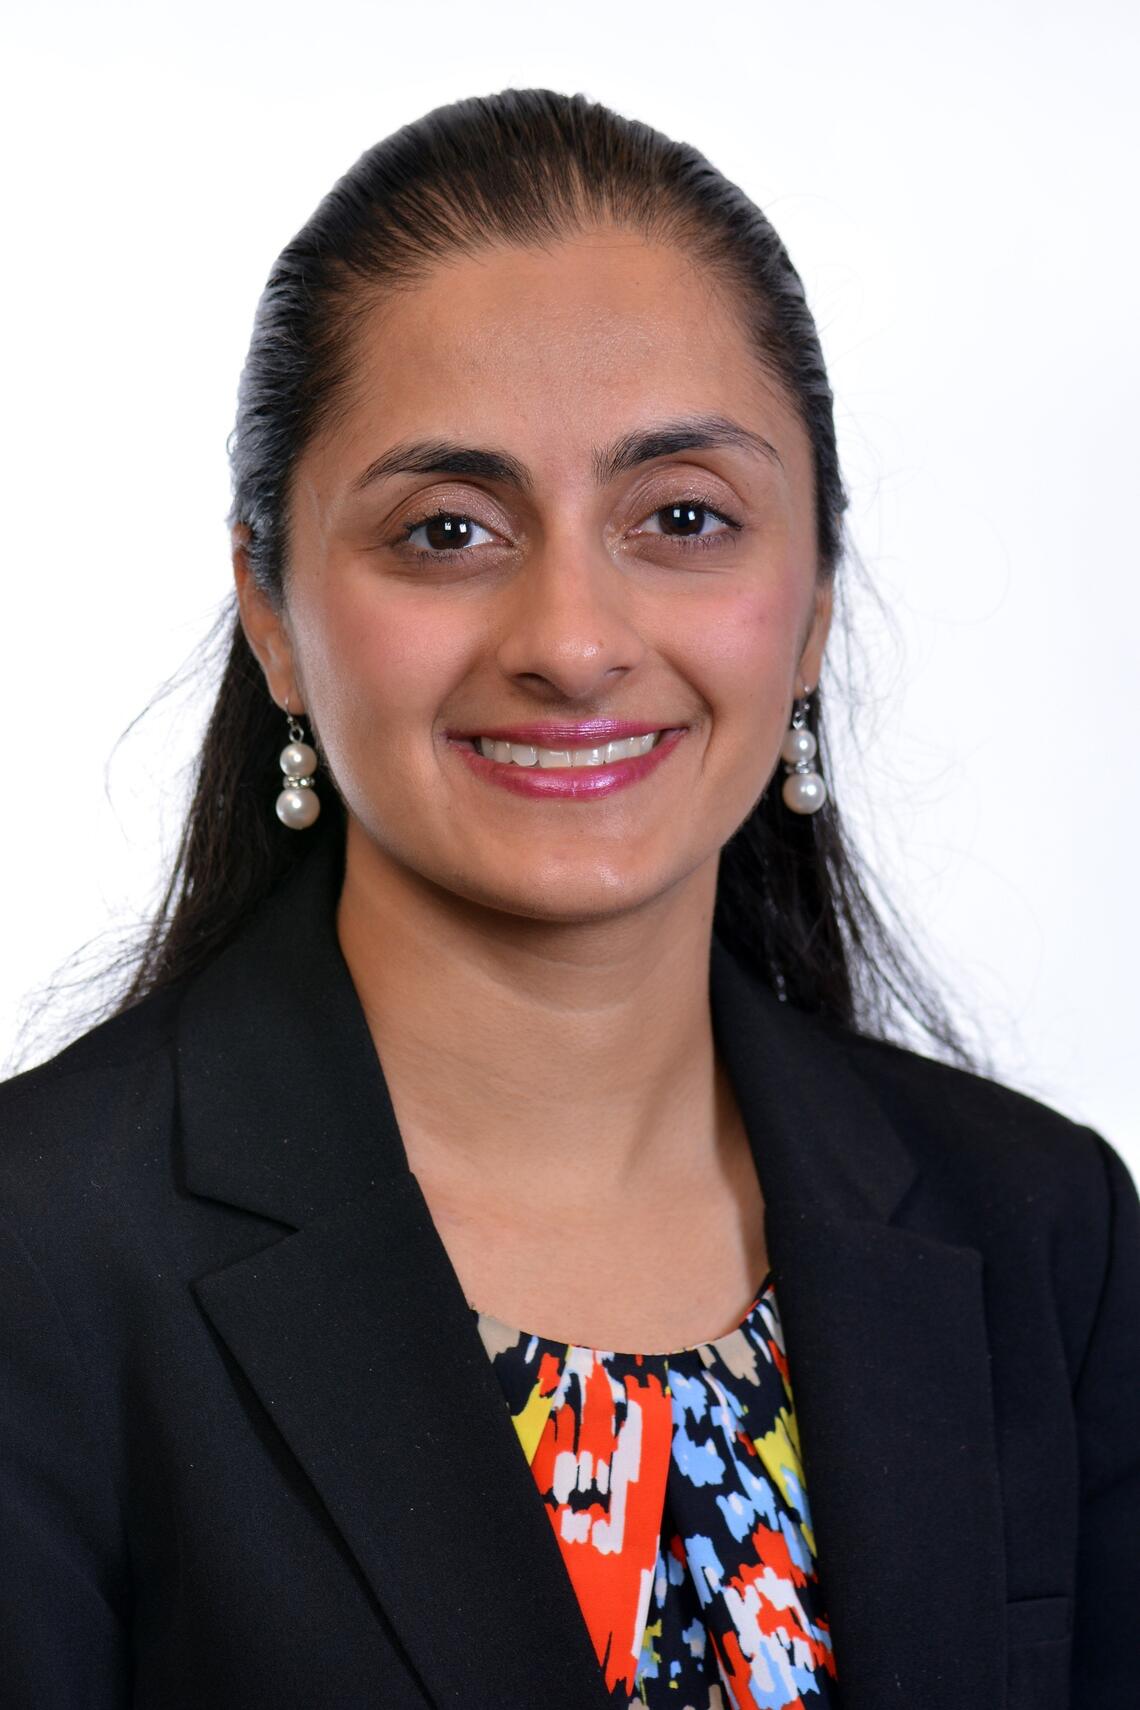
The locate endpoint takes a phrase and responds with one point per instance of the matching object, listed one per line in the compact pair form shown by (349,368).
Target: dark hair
(521,167)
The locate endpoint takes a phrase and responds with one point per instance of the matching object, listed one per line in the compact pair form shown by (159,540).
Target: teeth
(527,754)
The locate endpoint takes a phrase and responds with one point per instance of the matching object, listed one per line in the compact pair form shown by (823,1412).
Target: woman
(518,1083)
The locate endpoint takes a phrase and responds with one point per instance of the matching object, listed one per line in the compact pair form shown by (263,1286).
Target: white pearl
(298,808)
(298,760)
(804,792)
(798,745)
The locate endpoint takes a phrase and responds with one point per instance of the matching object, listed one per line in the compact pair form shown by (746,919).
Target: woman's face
(606,547)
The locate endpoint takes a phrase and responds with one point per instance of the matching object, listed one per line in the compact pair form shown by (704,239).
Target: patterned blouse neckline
(716,1344)
(675,1490)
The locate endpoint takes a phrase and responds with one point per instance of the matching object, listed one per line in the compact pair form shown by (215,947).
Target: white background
(957,187)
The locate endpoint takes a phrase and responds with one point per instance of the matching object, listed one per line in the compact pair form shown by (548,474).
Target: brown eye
(443,531)
(684,520)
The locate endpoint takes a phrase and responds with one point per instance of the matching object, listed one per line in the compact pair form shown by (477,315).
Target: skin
(535,973)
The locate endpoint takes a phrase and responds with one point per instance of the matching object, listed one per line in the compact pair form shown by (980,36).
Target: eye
(445,532)
(684,521)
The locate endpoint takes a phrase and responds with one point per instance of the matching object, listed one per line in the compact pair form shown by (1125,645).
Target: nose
(568,622)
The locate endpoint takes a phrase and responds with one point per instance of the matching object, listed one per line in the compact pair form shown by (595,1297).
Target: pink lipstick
(573,782)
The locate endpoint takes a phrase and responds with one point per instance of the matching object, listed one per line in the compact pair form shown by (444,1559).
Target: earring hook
(296,728)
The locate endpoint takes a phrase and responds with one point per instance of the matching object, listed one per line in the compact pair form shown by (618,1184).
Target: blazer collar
(355,1333)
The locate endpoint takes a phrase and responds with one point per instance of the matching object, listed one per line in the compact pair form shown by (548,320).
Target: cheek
(742,657)
(372,666)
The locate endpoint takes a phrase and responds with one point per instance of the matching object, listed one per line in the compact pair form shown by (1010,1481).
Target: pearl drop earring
(298,804)
(804,790)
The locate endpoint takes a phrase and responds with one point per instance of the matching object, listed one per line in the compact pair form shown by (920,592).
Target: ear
(263,621)
(811,656)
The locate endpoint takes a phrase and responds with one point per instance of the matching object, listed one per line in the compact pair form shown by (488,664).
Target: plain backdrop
(956,186)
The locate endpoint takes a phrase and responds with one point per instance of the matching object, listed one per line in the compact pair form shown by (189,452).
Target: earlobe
(263,623)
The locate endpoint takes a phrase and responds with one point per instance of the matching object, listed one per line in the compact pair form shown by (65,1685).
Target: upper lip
(588,733)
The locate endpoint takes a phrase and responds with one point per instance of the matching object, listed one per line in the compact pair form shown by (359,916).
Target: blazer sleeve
(1106,1630)
(64,1626)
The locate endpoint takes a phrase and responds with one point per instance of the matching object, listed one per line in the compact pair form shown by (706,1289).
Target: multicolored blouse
(674,1486)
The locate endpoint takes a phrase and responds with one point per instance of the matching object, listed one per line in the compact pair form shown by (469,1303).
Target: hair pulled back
(524,167)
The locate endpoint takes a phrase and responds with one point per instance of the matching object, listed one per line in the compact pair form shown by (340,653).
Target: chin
(561,897)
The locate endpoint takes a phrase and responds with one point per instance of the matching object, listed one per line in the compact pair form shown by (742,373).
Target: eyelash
(698,543)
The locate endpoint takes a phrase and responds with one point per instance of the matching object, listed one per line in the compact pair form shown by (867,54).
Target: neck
(538,1058)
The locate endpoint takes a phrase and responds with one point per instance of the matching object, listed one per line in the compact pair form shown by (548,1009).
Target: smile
(529,754)
(567,774)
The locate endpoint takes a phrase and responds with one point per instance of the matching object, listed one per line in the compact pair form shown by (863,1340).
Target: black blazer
(255,1457)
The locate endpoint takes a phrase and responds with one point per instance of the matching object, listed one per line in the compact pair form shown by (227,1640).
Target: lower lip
(569,783)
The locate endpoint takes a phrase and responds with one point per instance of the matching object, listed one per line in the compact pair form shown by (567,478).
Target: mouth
(567,756)
(582,773)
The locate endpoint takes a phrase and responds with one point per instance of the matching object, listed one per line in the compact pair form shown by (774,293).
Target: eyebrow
(659,439)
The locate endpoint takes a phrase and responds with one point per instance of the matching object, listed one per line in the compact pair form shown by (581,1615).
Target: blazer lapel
(355,1334)
(888,1363)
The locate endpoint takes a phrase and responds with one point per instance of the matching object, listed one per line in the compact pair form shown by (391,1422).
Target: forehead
(552,351)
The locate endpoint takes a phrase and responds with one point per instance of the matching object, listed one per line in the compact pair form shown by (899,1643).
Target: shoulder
(968,1109)
(82,1123)
(1049,1202)
(1000,1152)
